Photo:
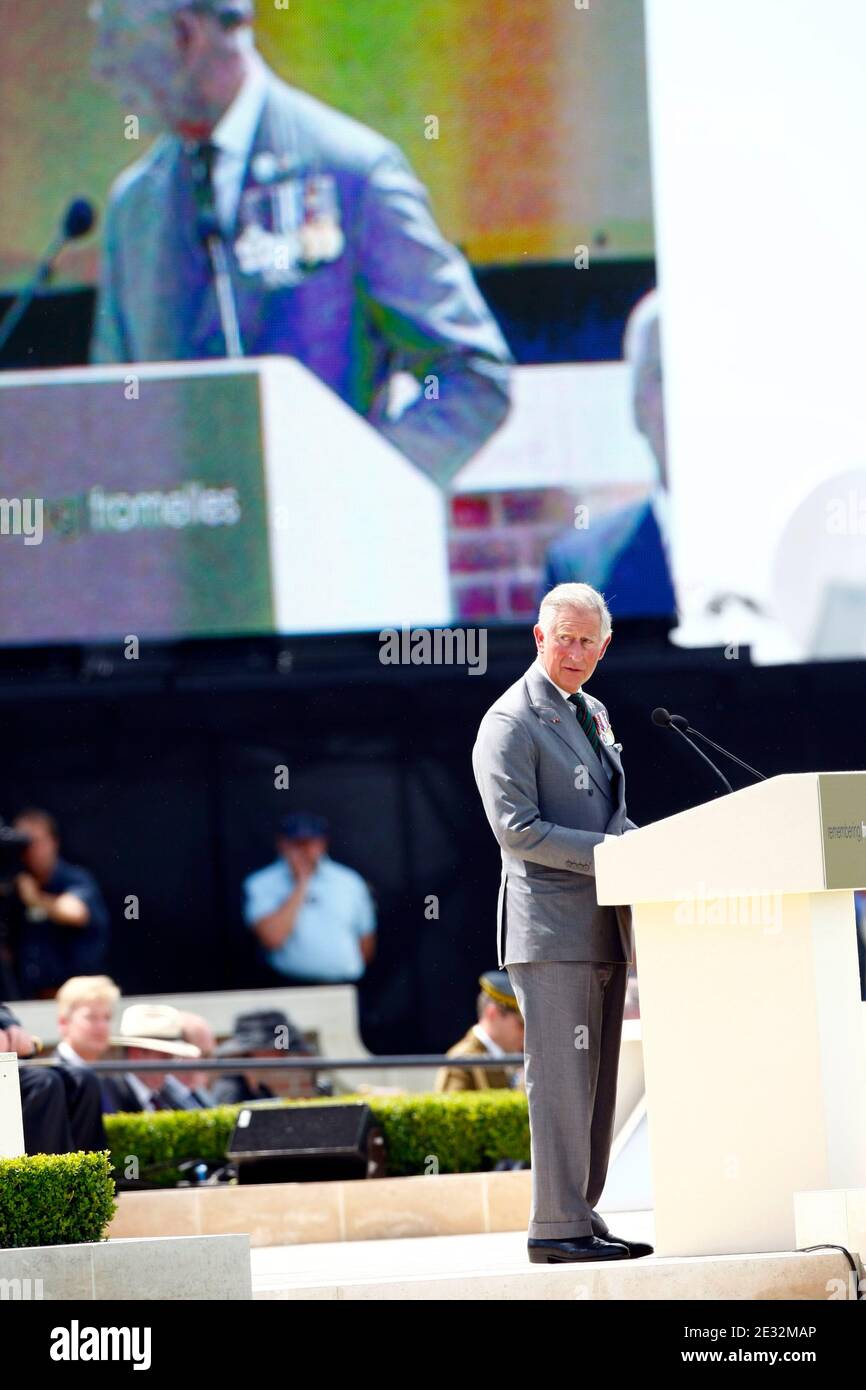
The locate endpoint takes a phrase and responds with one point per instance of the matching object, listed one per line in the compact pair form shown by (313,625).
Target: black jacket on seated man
(60,1106)
(120,1093)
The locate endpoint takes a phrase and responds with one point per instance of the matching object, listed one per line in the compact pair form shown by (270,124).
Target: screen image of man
(552,784)
(626,552)
(332,251)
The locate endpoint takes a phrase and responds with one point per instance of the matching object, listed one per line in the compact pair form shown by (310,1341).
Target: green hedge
(463,1132)
(55,1199)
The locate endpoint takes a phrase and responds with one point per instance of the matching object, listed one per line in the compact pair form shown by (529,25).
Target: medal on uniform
(603,729)
(289,221)
(321,235)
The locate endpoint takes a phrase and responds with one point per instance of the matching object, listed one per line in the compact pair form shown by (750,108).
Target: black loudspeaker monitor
(307,1143)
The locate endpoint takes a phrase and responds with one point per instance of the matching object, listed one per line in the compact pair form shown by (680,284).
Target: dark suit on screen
(397,296)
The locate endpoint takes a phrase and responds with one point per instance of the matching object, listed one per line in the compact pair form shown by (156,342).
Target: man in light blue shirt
(313,918)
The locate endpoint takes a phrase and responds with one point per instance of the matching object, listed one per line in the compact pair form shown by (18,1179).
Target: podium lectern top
(798,833)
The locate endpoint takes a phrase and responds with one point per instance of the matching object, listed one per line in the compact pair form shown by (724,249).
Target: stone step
(496,1267)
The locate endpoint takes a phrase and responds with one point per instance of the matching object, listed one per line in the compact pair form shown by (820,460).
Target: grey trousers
(572,1012)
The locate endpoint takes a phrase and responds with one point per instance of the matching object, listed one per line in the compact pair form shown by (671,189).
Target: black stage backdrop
(163,777)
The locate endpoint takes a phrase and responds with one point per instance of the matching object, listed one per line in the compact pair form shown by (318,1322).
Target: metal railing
(293,1063)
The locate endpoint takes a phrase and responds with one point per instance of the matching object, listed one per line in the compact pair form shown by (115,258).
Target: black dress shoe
(635,1248)
(571,1249)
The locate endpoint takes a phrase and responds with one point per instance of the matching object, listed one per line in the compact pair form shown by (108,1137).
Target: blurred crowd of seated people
(63,1105)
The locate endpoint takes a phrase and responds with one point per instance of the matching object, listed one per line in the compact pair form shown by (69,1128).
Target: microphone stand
(719,749)
(19,307)
(212,237)
(722,778)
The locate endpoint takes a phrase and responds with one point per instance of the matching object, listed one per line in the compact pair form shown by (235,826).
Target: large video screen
(384,332)
(366,442)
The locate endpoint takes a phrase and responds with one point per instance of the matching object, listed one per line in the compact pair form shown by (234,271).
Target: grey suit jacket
(550,800)
(395,297)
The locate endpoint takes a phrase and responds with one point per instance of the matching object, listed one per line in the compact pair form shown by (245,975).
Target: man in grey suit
(552,783)
(327,237)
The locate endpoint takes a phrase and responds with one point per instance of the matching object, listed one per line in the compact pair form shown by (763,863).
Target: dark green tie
(586,721)
(202,159)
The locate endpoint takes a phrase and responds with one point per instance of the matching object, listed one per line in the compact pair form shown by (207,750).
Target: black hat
(254,1032)
(497,985)
(303,825)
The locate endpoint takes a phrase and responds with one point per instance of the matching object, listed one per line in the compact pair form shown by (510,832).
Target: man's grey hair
(640,321)
(228,12)
(575,596)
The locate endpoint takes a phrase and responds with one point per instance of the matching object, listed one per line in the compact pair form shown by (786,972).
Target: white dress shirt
(489,1045)
(233,136)
(142,1093)
(494,1050)
(68,1054)
(567,697)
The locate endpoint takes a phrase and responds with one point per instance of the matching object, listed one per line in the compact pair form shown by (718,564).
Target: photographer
(54,918)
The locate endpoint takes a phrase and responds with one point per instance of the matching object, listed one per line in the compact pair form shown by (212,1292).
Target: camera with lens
(12,844)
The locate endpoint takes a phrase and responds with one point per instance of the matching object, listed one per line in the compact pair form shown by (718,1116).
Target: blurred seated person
(624,553)
(313,918)
(149,1032)
(499,1030)
(85,1012)
(196,1030)
(60,1106)
(59,925)
(265,1033)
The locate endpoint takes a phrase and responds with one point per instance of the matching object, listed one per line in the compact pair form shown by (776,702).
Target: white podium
(11,1125)
(751,1016)
(209,499)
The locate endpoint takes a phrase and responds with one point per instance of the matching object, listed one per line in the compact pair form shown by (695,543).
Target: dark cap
(302,825)
(498,987)
(254,1032)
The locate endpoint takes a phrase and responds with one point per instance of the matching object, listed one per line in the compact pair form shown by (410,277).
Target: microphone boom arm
(719,749)
(722,778)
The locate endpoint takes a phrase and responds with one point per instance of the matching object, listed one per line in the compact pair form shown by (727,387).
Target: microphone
(77,221)
(665,720)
